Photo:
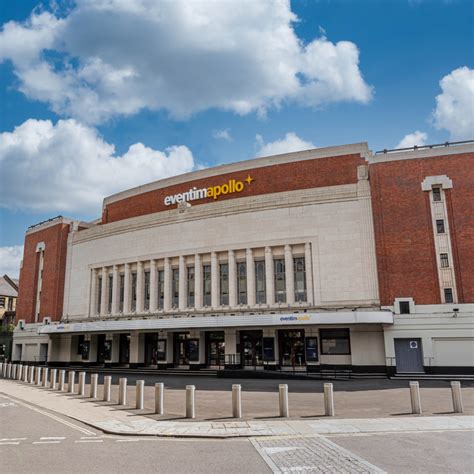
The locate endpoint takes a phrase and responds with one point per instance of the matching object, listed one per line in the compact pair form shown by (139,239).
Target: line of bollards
(44,377)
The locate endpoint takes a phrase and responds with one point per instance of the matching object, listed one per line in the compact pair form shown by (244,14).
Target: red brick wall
(269,179)
(406,256)
(52,293)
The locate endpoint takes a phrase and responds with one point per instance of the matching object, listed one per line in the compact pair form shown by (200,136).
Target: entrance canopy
(221,321)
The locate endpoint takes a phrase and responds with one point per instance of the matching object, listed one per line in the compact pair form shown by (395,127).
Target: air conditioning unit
(21,324)
(46,320)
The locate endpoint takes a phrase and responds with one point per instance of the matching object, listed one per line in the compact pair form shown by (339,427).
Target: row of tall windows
(241,279)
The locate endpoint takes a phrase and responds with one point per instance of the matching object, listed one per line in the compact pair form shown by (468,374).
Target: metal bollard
(45,377)
(159,403)
(190,401)
(328,399)
(19,373)
(415,398)
(39,373)
(52,383)
(71,381)
(122,391)
(62,380)
(26,369)
(82,383)
(457,397)
(107,387)
(32,375)
(9,371)
(236,401)
(14,368)
(93,388)
(283,396)
(1,368)
(140,394)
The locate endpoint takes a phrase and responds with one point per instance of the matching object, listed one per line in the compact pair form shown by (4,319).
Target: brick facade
(406,257)
(54,266)
(331,171)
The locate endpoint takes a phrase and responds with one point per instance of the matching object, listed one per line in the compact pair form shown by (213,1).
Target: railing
(422,147)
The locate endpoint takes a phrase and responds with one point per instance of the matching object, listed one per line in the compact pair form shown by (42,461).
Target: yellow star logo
(249,179)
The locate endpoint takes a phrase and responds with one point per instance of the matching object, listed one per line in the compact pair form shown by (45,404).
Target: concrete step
(418,376)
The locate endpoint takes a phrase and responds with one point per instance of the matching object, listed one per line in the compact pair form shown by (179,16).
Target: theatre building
(328,259)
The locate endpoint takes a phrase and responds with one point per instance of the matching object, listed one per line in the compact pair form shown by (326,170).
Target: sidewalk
(113,419)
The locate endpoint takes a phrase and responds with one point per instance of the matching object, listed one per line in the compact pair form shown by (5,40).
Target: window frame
(448,291)
(279,279)
(440,225)
(260,270)
(242,295)
(323,337)
(444,260)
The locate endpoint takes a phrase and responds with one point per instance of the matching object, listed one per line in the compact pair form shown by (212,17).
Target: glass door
(252,348)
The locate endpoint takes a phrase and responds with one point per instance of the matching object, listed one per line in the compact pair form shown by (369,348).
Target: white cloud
(413,139)
(69,167)
(113,57)
(455,105)
(10,258)
(223,135)
(291,142)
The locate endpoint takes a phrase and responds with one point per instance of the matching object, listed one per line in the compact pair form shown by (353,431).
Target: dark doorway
(100,348)
(408,355)
(291,348)
(181,348)
(124,349)
(151,347)
(215,348)
(251,346)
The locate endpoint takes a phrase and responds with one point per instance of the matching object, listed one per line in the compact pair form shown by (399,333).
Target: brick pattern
(307,174)
(406,259)
(52,294)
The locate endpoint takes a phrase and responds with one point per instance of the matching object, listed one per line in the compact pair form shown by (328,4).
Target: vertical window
(10,304)
(437,194)
(2,302)
(440,226)
(448,295)
(299,269)
(99,294)
(190,287)
(260,293)
(122,292)
(335,341)
(109,300)
(280,280)
(175,287)
(161,289)
(134,291)
(224,283)
(404,307)
(146,299)
(444,260)
(206,286)
(242,283)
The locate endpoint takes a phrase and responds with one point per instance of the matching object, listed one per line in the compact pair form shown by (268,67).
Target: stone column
(215,303)
(197,281)
(103,292)
(140,288)
(153,287)
(115,290)
(127,290)
(250,263)
(183,290)
(231,357)
(232,279)
(167,284)
(308,262)
(289,275)
(93,301)
(269,277)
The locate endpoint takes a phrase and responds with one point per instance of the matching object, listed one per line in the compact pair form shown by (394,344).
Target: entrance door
(408,355)
(215,348)
(251,343)
(43,353)
(101,348)
(151,347)
(181,348)
(291,345)
(124,351)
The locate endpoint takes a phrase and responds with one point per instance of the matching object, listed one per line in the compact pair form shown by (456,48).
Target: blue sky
(130,101)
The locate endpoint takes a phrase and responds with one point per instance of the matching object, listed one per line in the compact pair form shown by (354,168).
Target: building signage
(232,186)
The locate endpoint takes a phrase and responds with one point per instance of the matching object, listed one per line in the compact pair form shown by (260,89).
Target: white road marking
(52,437)
(127,440)
(93,440)
(9,442)
(59,420)
(13,439)
(46,442)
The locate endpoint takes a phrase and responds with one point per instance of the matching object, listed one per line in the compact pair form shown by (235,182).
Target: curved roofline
(315,153)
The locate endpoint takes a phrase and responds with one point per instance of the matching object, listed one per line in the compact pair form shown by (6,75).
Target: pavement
(114,419)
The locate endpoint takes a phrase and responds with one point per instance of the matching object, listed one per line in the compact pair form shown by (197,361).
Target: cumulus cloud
(10,258)
(413,139)
(222,135)
(455,105)
(291,142)
(111,57)
(67,166)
